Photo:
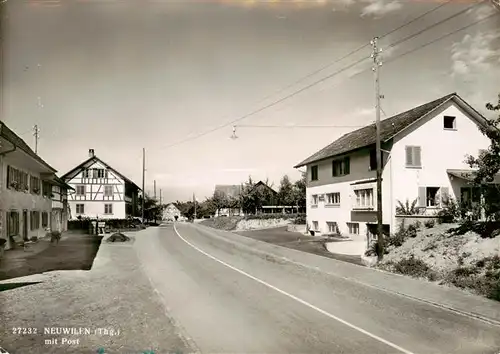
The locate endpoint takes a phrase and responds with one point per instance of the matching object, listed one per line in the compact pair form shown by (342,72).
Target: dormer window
(450,122)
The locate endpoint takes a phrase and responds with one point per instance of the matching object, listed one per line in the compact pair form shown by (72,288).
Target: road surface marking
(295,298)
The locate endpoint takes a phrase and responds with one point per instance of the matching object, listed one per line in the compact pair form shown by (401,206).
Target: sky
(118,76)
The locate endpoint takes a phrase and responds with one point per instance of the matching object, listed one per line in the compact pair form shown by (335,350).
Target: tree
(286,194)
(248,201)
(152,208)
(487,166)
(299,191)
(219,201)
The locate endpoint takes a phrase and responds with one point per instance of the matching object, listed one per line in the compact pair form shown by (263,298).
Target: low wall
(255,224)
(297,228)
(407,220)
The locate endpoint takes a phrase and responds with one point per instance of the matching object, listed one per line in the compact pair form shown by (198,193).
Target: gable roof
(19,143)
(89,162)
(389,127)
(232,191)
(260,183)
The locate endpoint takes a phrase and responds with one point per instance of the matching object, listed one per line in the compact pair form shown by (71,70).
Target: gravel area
(116,294)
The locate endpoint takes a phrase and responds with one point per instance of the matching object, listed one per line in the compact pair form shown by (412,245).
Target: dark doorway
(25,225)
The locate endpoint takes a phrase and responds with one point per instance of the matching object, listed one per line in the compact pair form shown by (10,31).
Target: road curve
(229,298)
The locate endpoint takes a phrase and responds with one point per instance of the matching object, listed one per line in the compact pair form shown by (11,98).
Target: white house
(171,212)
(423,158)
(101,191)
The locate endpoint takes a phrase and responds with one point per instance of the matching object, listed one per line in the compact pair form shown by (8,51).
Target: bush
(429,224)
(486,229)
(487,284)
(450,213)
(263,216)
(414,267)
(34,239)
(300,219)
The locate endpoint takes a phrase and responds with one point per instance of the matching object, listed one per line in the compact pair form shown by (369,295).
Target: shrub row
(85,223)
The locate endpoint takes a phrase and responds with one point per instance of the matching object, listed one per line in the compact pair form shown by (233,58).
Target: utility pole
(154,189)
(378,150)
(36,132)
(143,177)
(160,196)
(194,201)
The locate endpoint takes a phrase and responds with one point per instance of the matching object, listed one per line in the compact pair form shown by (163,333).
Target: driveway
(295,240)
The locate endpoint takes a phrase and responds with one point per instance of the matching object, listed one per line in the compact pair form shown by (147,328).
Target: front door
(25,224)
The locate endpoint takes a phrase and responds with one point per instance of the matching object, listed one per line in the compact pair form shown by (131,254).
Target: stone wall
(256,224)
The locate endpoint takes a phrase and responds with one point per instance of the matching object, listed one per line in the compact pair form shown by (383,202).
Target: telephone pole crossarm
(376,65)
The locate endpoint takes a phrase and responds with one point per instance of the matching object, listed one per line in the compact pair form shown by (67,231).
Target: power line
(397,57)
(432,26)
(268,105)
(299,126)
(357,50)
(324,79)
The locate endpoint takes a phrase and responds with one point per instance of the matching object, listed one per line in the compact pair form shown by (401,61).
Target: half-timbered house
(100,191)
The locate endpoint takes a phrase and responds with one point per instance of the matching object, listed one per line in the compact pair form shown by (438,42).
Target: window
(413,156)
(353,228)
(86,173)
(432,196)
(333,198)
(80,209)
(332,227)
(45,219)
(315,226)
(16,179)
(108,191)
(98,173)
(46,189)
(35,185)
(341,167)
(35,220)
(449,122)
(108,208)
(80,190)
(364,198)
(314,199)
(314,173)
(13,223)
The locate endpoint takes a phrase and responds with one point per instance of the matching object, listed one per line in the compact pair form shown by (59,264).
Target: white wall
(94,200)
(326,183)
(440,150)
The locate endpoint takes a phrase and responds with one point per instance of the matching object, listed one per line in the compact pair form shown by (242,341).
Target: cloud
(379,8)
(475,53)
(238,170)
(484,10)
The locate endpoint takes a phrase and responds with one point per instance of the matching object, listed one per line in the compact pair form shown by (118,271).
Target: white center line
(296,298)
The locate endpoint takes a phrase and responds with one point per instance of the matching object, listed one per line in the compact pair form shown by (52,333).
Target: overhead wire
(274,103)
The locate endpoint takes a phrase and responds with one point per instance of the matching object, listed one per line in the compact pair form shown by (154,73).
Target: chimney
(91,152)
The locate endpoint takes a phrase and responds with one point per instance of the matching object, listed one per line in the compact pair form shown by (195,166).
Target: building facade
(100,191)
(423,160)
(26,183)
(171,212)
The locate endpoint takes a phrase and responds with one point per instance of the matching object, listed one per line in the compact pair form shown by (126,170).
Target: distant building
(232,193)
(101,191)
(171,212)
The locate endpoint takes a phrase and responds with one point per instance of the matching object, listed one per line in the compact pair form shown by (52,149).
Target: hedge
(85,224)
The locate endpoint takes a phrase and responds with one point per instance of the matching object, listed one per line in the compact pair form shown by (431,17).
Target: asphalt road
(228,298)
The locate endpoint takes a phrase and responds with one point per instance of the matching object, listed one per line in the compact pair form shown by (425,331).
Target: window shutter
(409,156)
(444,195)
(417,159)
(8,175)
(422,197)
(347,165)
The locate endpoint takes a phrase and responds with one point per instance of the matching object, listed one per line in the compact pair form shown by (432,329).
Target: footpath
(451,299)
(114,301)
